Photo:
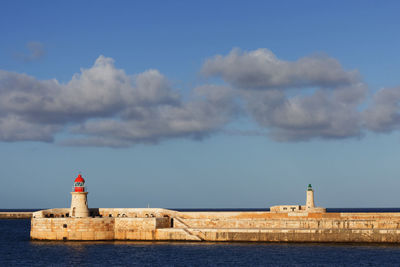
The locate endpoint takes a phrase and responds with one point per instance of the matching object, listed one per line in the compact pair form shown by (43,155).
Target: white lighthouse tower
(310,198)
(79,205)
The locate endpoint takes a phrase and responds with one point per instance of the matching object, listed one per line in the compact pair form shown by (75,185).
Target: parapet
(108,212)
(51,213)
(296,208)
(286,208)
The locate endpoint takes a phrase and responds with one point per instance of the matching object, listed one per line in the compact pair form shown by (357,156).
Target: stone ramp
(176,234)
(196,233)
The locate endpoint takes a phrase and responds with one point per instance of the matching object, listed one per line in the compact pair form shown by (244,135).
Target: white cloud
(277,93)
(313,97)
(384,113)
(303,118)
(105,106)
(13,128)
(261,69)
(201,116)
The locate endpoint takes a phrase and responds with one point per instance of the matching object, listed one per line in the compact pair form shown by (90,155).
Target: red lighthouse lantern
(79,184)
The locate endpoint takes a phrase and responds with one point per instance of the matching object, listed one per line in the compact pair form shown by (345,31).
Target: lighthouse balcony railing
(85,188)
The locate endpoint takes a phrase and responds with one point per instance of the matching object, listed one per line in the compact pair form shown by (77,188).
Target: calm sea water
(17,250)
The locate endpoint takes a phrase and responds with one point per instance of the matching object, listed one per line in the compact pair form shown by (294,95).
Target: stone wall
(302,235)
(94,228)
(161,224)
(51,213)
(135,212)
(72,228)
(15,215)
(138,224)
(294,223)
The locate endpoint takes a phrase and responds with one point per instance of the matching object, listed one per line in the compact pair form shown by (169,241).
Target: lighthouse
(310,198)
(79,206)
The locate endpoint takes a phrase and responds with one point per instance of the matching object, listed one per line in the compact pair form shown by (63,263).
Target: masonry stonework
(219,226)
(287,223)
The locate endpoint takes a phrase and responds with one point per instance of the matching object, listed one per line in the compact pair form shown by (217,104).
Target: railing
(85,188)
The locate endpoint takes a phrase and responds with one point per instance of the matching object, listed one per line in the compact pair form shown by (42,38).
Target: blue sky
(199,105)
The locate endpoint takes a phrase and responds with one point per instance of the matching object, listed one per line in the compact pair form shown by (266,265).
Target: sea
(16,249)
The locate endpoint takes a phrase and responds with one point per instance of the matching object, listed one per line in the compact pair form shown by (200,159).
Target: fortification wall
(135,212)
(140,224)
(301,235)
(297,222)
(15,215)
(125,224)
(51,213)
(96,228)
(293,227)
(72,228)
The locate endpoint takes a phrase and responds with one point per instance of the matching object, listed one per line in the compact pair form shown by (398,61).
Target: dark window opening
(64,225)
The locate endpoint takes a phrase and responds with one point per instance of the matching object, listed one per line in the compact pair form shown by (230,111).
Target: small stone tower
(310,198)
(79,206)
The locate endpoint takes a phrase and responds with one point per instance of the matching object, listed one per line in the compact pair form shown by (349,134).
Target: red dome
(79,179)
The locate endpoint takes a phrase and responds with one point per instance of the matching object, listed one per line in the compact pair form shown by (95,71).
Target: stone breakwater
(169,225)
(15,215)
